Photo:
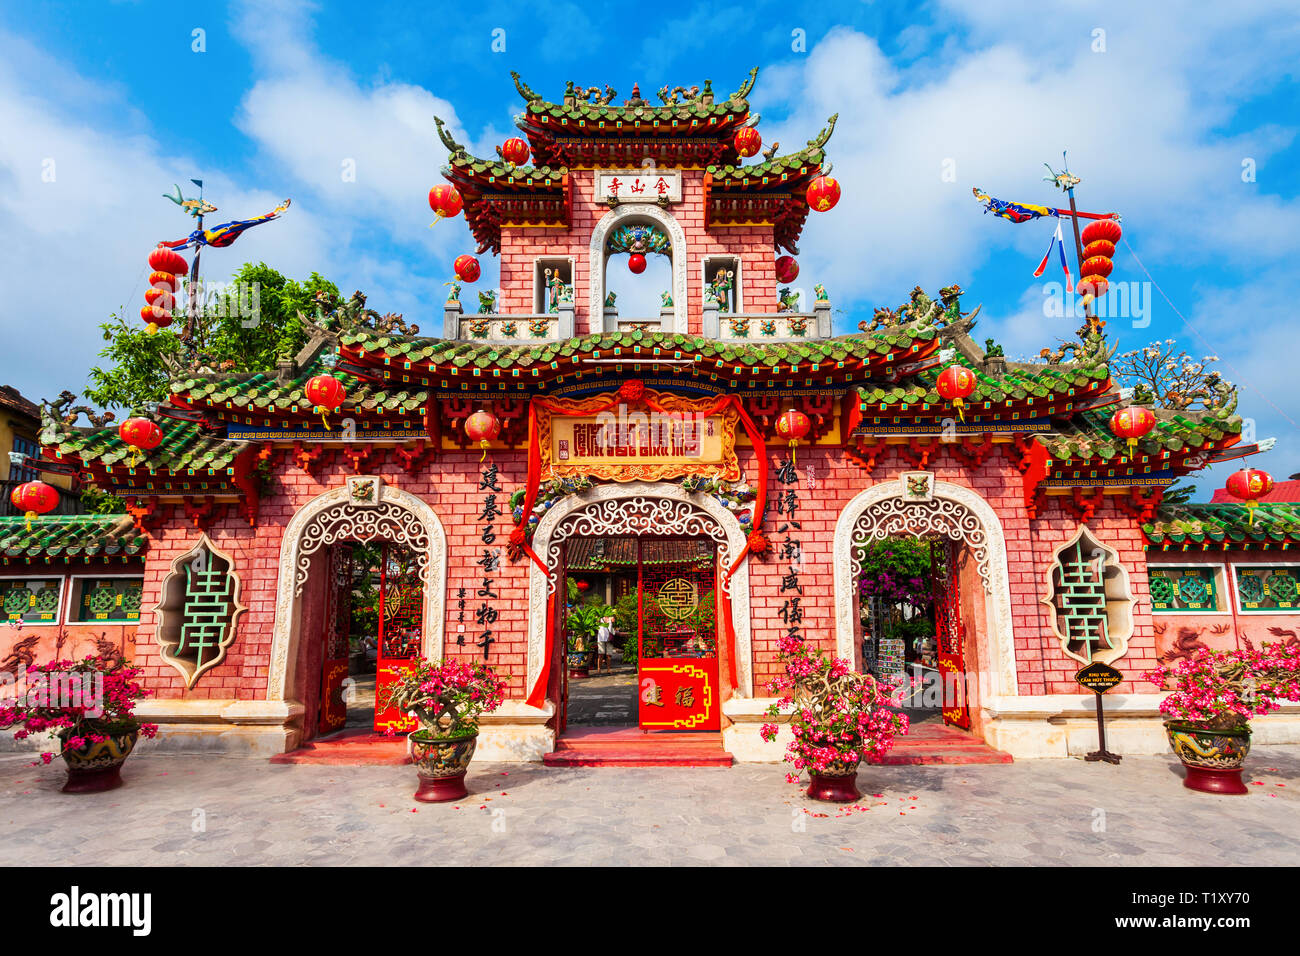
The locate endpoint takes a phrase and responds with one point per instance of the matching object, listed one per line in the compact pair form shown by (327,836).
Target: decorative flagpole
(1067,181)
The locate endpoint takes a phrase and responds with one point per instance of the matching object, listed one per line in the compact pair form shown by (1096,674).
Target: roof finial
(523,88)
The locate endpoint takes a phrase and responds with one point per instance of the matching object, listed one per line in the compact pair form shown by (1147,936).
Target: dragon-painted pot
(1213,758)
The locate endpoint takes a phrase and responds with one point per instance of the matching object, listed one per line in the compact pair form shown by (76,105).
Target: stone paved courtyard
(184,809)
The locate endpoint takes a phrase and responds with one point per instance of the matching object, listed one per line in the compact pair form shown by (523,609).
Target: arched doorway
(918,505)
(363,510)
(628,214)
(635,509)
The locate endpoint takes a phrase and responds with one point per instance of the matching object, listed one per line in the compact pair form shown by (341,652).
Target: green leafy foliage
(227,335)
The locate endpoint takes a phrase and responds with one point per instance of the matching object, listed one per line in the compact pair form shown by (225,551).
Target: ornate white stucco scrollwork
(399,517)
(633,508)
(619,216)
(954,512)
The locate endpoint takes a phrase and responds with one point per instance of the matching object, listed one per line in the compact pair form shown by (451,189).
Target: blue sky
(1180,116)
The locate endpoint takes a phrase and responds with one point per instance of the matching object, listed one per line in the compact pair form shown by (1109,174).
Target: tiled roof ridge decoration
(812,155)
(70,536)
(679,101)
(1214,526)
(10,397)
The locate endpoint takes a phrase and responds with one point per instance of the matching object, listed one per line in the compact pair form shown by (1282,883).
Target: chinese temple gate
(667,437)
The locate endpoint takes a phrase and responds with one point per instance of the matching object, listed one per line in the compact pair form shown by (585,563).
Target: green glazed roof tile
(88,536)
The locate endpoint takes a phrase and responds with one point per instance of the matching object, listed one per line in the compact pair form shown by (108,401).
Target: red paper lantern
(787,269)
(1099,248)
(793,426)
(445,201)
(1132,423)
(1092,287)
(1106,230)
(515,151)
(483,427)
(34,498)
(161,298)
(326,393)
(581,585)
(163,280)
(823,193)
(748,141)
(1250,484)
(467,269)
(636,263)
(155,318)
(167,260)
(1097,266)
(955,384)
(141,435)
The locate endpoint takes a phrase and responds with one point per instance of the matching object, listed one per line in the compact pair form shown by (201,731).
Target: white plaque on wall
(639,185)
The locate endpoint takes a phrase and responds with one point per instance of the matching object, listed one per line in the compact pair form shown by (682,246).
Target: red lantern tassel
(323,416)
(483,443)
(29,516)
(958,404)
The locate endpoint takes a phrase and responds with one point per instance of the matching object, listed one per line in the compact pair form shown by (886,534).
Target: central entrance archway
(632,509)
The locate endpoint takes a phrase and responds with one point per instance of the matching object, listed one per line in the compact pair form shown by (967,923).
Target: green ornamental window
(199,610)
(1089,599)
(1264,588)
(31,600)
(1184,589)
(108,600)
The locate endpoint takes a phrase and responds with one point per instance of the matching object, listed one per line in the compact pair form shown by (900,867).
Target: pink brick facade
(450,488)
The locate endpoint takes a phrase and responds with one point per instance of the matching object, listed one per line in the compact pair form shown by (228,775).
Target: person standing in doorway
(604,634)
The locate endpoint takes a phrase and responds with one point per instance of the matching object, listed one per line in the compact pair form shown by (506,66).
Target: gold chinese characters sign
(662,437)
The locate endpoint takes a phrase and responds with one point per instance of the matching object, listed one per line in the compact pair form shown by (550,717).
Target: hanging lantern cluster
(445,202)
(1099,240)
(1132,423)
(514,151)
(748,141)
(483,427)
(1249,485)
(467,268)
(160,297)
(34,498)
(787,269)
(823,193)
(956,384)
(326,393)
(140,435)
(793,426)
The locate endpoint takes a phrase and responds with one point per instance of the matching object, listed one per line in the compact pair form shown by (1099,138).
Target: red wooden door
(401,620)
(677,610)
(338,624)
(950,631)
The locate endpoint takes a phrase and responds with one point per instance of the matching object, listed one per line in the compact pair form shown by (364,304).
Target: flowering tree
(447,697)
(840,717)
(82,702)
(1170,379)
(1222,690)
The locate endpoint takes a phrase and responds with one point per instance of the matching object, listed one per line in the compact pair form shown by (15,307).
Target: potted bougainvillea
(89,706)
(838,717)
(447,698)
(1213,696)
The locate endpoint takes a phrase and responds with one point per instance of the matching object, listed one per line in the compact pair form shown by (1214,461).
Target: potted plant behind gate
(1214,695)
(447,698)
(581,625)
(89,706)
(839,719)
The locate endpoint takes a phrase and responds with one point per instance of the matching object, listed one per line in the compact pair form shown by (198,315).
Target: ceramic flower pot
(441,763)
(580,663)
(96,767)
(838,783)
(1213,758)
